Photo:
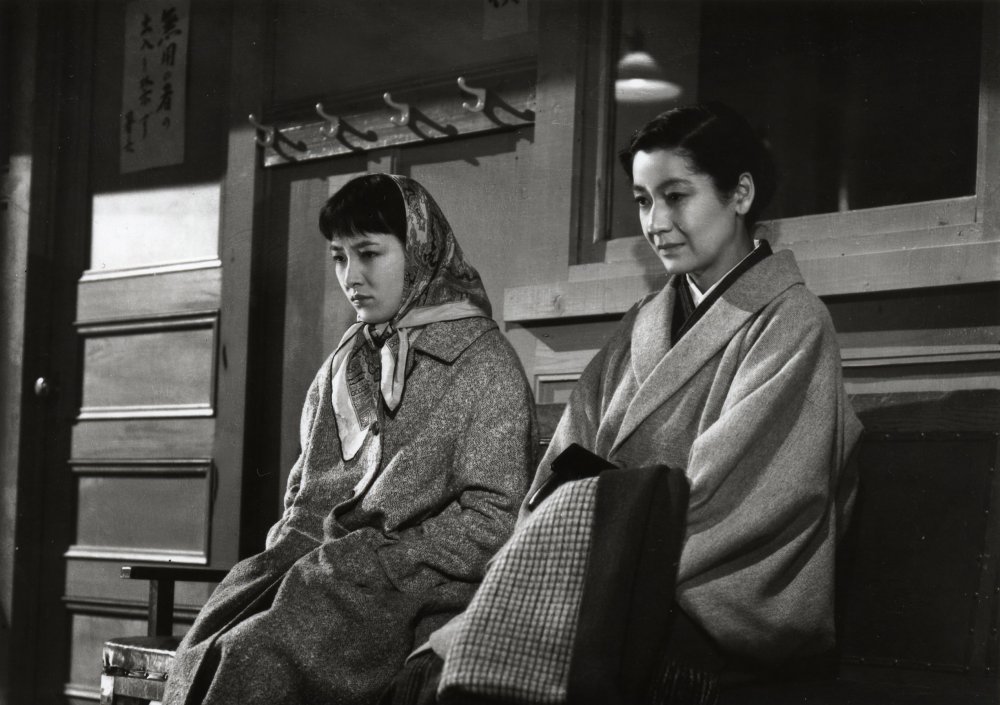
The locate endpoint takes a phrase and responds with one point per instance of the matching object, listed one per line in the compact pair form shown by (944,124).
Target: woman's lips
(360,299)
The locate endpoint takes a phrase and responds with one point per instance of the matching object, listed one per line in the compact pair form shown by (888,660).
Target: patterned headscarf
(439,285)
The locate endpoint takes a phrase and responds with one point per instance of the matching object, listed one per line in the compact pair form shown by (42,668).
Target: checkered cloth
(516,640)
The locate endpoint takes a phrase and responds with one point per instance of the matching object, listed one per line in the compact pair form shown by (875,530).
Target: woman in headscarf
(730,375)
(417,437)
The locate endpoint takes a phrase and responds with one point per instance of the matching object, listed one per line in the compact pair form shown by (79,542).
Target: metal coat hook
(268,131)
(403,118)
(332,126)
(478,93)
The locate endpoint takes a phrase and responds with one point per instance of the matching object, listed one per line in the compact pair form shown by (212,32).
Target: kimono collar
(696,294)
(660,369)
(702,303)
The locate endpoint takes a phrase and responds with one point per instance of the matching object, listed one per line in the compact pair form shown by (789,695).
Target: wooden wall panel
(930,340)
(143,438)
(149,369)
(177,288)
(318,43)
(566,349)
(120,510)
(923,377)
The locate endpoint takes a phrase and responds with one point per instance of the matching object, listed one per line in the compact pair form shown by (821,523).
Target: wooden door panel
(164,369)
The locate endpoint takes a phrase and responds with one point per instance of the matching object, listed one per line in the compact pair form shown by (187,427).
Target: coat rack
(449,107)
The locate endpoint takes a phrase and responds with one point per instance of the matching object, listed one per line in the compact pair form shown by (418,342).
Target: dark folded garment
(574,463)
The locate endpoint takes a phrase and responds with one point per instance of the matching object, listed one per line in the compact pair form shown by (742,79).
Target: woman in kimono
(730,374)
(417,437)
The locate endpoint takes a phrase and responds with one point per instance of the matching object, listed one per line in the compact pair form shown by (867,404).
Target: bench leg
(107,689)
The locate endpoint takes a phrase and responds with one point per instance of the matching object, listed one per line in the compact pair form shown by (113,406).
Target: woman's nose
(352,274)
(659,220)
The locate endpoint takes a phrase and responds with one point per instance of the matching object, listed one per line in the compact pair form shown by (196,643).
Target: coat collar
(446,340)
(661,370)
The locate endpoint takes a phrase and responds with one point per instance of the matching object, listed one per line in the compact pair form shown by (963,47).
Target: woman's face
(370,270)
(691,227)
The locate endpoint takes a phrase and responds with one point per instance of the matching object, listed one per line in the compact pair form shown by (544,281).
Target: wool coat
(374,553)
(750,404)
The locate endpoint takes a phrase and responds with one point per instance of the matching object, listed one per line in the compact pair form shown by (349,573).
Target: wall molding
(918,355)
(95,275)
(151,411)
(158,322)
(140,466)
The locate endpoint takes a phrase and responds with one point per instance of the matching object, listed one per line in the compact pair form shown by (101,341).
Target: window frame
(915,245)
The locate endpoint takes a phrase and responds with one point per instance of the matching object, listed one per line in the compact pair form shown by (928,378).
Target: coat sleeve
(582,416)
(757,566)
(491,466)
(306,420)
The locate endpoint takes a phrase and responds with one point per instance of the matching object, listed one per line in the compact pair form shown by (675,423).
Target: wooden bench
(918,593)
(919,572)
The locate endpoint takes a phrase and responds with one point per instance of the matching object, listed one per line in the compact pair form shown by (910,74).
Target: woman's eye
(338,258)
(675,197)
(369,254)
(642,201)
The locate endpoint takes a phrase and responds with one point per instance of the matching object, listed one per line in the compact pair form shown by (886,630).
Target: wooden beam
(243,202)
(956,262)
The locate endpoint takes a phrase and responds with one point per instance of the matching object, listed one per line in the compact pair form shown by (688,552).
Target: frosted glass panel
(155,226)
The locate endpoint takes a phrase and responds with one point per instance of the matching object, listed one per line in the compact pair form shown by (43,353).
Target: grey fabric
(372,554)
(750,404)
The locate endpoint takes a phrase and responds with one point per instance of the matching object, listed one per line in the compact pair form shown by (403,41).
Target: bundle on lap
(409,479)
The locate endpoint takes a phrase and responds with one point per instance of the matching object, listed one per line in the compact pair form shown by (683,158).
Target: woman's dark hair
(368,204)
(718,141)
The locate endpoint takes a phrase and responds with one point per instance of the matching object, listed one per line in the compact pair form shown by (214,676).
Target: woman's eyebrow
(676,181)
(354,243)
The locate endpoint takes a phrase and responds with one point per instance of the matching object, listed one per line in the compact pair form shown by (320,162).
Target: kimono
(746,397)
(391,512)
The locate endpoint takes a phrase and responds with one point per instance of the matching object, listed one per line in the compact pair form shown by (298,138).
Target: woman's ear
(744,193)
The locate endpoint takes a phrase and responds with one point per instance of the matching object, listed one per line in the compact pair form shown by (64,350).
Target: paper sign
(155,84)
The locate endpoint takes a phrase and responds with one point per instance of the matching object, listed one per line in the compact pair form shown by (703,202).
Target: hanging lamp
(639,79)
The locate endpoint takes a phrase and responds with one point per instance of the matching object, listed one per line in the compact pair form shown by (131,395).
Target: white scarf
(393,378)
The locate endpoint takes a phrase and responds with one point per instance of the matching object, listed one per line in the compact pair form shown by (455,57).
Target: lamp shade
(639,79)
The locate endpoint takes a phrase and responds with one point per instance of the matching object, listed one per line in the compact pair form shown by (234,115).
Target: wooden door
(44,247)
(123,306)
